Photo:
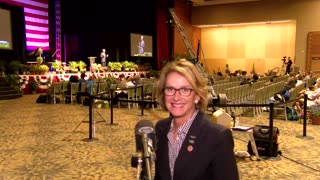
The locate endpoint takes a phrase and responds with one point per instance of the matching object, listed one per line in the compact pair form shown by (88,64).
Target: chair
(130,96)
(293,95)
(151,97)
(138,96)
(94,89)
(73,91)
(57,91)
(64,88)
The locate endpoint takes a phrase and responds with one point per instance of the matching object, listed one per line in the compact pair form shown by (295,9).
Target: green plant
(127,65)
(98,102)
(39,60)
(43,68)
(315,113)
(115,66)
(73,64)
(14,67)
(82,65)
(33,85)
(56,65)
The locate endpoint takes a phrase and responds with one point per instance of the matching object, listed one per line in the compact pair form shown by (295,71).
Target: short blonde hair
(193,76)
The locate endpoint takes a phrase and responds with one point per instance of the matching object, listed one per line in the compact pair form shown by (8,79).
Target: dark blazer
(211,157)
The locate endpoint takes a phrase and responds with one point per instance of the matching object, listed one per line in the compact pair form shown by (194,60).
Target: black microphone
(145,128)
(146,144)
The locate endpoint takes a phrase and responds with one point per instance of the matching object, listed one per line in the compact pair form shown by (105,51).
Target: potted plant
(39,60)
(105,104)
(82,66)
(56,65)
(115,66)
(33,86)
(127,66)
(74,66)
(43,69)
(315,117)
(14,67)
(98,103)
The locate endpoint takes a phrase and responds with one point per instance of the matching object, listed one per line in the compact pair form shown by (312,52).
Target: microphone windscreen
(144,127)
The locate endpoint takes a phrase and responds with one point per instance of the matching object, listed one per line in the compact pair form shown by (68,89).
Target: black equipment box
(261,137)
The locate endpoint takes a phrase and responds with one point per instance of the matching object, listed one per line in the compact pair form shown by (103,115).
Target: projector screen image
(141,45)
(5,32)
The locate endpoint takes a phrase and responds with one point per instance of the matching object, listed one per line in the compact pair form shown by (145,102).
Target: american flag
(36,22)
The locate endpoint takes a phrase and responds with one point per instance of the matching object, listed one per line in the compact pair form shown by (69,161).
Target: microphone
(145,144)
(145,129)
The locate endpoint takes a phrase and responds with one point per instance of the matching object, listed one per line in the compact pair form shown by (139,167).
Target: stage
(45,80)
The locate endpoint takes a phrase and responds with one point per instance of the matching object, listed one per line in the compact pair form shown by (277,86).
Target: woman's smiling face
(180,107)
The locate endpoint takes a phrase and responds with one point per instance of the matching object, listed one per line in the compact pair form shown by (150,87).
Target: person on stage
(103,56)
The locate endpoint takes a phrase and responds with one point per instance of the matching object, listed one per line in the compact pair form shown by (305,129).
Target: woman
(189,145)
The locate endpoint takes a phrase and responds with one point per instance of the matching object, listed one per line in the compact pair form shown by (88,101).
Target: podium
(92,60)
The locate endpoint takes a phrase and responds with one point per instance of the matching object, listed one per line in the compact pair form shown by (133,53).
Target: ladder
(191,51)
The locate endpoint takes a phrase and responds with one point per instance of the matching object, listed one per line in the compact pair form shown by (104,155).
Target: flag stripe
(37,36)
(36,20)
(36,32)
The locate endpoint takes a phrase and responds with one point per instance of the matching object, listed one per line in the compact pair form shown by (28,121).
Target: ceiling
(216,2)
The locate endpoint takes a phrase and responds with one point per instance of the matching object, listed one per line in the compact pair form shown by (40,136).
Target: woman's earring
(196,102)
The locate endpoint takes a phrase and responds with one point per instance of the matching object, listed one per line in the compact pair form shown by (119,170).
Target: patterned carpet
(46,141)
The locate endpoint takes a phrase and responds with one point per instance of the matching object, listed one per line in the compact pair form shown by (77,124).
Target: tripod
(94,122)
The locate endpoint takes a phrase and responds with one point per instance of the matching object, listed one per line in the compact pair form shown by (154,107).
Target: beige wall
(305,13)
(243,46)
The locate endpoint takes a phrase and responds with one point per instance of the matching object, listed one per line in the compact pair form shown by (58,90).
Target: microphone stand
(54,54)
(146,155)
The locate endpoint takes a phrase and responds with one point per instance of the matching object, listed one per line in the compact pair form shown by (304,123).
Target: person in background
(103,56)
(289,63)
(313,98)
(307,75)
(189,145)
(89,85)
(87,92)
(81,80)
